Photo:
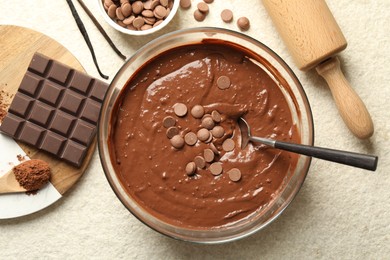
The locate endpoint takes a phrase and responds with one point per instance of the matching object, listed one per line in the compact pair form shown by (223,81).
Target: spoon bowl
(368,162)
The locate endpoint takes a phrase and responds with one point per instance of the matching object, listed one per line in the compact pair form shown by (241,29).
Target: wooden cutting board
(18,45)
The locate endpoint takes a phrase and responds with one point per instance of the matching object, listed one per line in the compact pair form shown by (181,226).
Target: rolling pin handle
(351,107)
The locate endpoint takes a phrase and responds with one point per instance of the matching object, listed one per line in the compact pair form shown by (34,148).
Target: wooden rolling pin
(313,37)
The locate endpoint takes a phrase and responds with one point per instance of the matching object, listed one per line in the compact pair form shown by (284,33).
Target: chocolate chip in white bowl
(180,109)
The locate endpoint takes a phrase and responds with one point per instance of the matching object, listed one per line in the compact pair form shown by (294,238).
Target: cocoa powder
(32,174)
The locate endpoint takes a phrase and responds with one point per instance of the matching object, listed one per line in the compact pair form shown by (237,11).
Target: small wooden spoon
(9,184)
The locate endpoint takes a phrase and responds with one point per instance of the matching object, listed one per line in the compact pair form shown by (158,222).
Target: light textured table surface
(340,213)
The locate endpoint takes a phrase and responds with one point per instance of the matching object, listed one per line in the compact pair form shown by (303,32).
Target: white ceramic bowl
(133,32)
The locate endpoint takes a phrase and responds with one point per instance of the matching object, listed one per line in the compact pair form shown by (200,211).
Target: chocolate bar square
(56,109)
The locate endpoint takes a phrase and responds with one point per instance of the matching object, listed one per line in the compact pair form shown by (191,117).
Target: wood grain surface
(18,45)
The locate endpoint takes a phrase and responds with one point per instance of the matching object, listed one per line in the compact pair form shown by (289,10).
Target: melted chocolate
(153,172)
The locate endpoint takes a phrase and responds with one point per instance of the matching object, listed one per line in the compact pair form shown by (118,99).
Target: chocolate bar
(56,109)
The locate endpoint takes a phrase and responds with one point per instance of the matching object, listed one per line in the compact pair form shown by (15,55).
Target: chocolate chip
(168,121)
(208,122)
(160,12)
(137,7)
(199,16)
(227,15)
(185,4)
(243,23)
(203,7)
(190,138)
(223,82)
(234,174)
(218,131)
(203,134)
(126,9)
(180,109)
(208,1)
(216,168)
(228,145)
(172,131)
(208,155)
(216,116)
(214,149)
(190,168)
(177,141)
(138,22)
(200,162)
(197,111)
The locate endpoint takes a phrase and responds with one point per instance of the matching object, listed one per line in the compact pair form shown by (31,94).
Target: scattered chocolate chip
(172,131)
(200,162)
(218,131)
(197,111)
(169,121)
(185,4)
(203,7)
(199,16)
(228,145)
(234,174)
(216,168)
(208,1)
(208,123)
(190,168)
(177,141)
(243,23)
(223,82)
(180,109)
(227,15)
(208,155)
(190,138)
(216,116)
(203,134)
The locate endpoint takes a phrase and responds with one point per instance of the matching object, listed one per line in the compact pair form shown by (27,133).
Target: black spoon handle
(368,162)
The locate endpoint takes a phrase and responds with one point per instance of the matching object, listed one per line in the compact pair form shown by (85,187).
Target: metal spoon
(368,162)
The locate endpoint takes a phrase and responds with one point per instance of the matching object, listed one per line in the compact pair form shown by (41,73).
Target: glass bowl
(134,32)
(291,89)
